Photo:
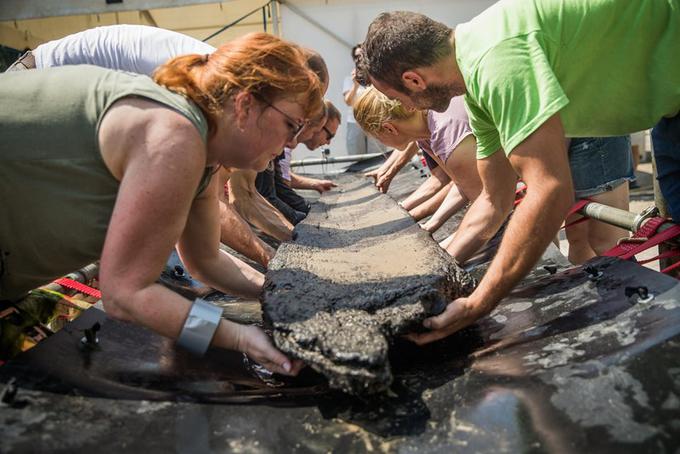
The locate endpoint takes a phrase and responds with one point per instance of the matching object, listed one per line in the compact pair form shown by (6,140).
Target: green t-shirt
(610,67)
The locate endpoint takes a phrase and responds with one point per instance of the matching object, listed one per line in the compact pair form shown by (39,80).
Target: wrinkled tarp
(570,362)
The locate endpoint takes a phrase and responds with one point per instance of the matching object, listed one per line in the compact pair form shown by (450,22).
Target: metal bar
(335,160)
(274,8)
(146,14)
(264,18)
(619,218)
(83,275)
(312,21)
(212,27)
(234,22)
(610,215)
(33,9)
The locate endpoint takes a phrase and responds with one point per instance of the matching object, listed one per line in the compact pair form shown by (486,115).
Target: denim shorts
(600,164)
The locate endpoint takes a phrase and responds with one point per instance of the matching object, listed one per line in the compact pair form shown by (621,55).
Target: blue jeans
(600,164)
(666,140)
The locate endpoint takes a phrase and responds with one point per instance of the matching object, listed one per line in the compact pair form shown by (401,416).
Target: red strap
(575,208)
(671,268)
(573,223)
(653,240)
(665,255)
(621,248)
(646,231)
(519,189)
(82,288)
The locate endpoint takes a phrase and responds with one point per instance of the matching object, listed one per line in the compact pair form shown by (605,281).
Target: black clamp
(644,295)
(551,269)
(9,394)
(90,338)
(593,273)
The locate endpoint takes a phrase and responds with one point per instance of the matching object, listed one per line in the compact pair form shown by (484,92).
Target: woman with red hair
(121,168)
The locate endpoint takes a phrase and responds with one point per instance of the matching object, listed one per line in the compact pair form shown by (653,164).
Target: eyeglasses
(329,135)
(296,129)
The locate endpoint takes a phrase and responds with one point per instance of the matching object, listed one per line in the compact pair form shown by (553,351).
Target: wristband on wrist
(199,327)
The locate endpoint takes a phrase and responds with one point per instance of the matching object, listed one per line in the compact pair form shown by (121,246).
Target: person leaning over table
(121,166)
(534,72)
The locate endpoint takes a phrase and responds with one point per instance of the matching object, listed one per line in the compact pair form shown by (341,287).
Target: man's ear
(243,105)
(413,81)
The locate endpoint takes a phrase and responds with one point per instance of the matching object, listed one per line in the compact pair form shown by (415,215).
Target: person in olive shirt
(99,163)
(534,72)
(141,49)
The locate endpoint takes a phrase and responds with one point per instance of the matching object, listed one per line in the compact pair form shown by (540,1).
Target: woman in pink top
(446,137)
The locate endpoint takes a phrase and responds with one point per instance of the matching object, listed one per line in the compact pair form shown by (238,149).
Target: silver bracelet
(199,327)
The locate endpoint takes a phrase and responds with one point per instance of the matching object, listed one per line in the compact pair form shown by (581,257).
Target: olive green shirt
(56,193)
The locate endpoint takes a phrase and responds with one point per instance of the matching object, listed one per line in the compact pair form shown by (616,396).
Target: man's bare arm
(542,162)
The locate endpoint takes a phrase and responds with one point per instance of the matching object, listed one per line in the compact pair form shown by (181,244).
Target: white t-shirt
(135,48)
(347,86)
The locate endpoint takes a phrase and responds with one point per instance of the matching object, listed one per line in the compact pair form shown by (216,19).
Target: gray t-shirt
(447,129)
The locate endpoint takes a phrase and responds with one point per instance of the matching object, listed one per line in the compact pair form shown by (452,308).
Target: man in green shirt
(534,72)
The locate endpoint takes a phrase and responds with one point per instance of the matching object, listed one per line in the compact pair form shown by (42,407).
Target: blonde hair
(373,109)
(259,63)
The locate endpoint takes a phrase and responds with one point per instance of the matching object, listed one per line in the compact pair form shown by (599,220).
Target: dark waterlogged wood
(360,272)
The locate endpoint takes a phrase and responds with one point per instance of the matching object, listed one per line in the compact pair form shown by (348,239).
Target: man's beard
(435,97)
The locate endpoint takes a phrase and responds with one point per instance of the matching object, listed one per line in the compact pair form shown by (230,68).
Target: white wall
(349,19)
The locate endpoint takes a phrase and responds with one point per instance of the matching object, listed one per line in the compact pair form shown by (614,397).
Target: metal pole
(231,24)
(614,216)
(274,8)
(337,159)
(83,275)
(619,218)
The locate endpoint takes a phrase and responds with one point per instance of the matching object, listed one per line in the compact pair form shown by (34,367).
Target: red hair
(258,63)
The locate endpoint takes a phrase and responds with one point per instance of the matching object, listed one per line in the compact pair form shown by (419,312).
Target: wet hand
(459,314)
(258,346)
